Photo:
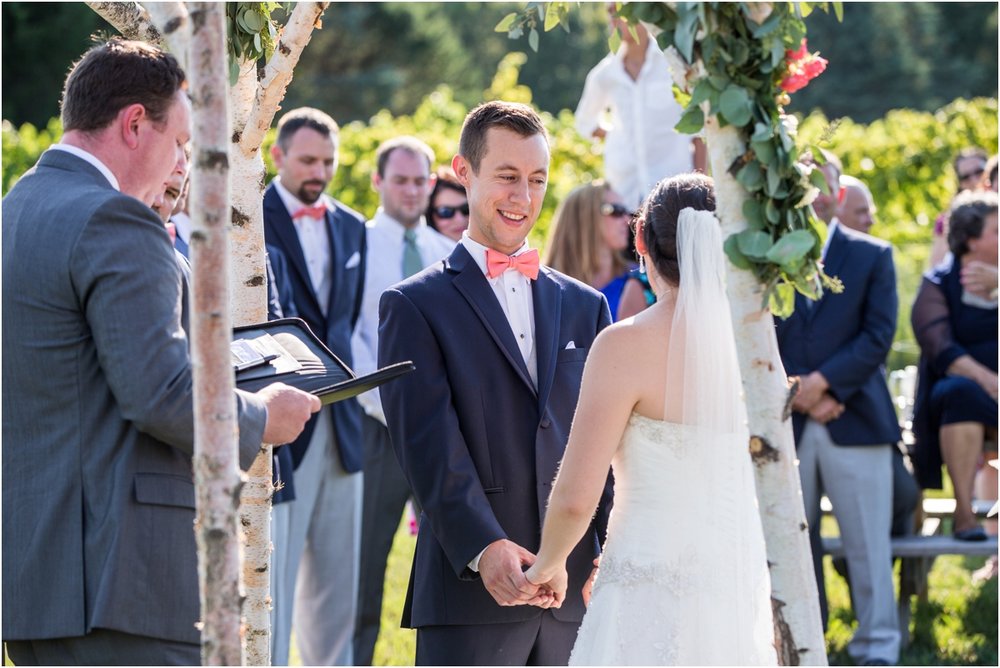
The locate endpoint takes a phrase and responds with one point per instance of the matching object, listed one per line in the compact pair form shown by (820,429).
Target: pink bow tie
(526,263)
(317,211)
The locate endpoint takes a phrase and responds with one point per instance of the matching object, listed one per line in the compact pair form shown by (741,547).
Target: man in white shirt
(316,536)
(400,243)
(633,86)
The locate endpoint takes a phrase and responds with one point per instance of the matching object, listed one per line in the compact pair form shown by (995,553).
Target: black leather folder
(286,350)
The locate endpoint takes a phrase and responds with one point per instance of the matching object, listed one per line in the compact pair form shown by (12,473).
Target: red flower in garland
(802,68)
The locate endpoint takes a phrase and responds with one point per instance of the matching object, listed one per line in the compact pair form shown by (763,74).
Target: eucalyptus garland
(251,33)
(753,55)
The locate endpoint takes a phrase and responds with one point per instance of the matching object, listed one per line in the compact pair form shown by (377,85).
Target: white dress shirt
(641,146)
(384,269)
(513,291)
(315,243)
(92,159)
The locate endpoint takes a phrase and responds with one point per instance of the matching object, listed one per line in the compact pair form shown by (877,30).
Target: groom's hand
(500,567)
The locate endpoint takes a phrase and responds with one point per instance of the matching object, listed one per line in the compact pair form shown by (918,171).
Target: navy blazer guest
(346,229)
(847,337)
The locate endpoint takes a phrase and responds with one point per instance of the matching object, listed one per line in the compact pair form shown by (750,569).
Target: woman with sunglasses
(588,237)
(448,212)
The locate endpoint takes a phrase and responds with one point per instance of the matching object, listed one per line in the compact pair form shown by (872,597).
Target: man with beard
(315,567)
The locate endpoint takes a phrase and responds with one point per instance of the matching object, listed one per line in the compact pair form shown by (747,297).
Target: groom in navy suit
(844,421)
(316,536)
(479,428)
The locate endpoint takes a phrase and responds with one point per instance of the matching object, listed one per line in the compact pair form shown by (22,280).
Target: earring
(642,264)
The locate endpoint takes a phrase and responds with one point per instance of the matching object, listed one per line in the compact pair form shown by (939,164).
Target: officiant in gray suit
(99,557)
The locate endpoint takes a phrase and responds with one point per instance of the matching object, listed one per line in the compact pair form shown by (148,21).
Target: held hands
(553,580)
(288,410)
(500,567)
(812,388)
(826,409)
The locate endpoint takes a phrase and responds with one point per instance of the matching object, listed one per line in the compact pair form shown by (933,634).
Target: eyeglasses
(616,210)
(973,174)
(450,211)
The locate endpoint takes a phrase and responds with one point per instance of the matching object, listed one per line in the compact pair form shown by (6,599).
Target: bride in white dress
(683,578)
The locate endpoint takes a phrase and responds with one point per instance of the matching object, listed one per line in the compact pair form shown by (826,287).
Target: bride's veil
(704,392)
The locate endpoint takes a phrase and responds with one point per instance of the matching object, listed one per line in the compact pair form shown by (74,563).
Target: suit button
(546,423)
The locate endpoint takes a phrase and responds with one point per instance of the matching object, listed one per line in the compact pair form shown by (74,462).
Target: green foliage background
(904,157)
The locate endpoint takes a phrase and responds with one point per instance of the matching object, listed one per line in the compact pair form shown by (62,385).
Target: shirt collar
(291,202)
(92,159)
(385,220)
(830,228)
(478,251)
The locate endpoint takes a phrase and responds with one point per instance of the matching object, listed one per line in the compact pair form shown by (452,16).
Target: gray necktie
(411,255)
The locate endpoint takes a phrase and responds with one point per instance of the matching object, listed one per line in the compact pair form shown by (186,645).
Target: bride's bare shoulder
(641,332)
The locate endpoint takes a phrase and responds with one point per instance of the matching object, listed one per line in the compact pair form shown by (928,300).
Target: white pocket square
(570,346)
(353,261)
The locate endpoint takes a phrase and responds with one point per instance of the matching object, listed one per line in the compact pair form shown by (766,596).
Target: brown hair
(114,75)
(519,118)
(576,239)
(405,143)
(968,213)
(305,117)
(658,218)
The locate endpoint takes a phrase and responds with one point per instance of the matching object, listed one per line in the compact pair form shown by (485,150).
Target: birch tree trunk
(794,595)
(216,457)
(254,104)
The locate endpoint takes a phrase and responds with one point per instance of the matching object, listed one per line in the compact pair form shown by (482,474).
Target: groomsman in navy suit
(499,345)
(844,421)
(314,575)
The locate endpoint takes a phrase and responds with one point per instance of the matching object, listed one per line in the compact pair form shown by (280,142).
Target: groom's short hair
(519,118)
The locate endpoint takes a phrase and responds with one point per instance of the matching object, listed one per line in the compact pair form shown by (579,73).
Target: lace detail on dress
(627,573)
(666,434)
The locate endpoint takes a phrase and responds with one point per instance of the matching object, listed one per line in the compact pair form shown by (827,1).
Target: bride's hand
(553,580)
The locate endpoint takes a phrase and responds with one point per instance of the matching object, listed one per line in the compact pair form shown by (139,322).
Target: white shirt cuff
(474,564)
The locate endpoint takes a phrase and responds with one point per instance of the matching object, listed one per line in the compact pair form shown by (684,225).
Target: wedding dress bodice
(683,578)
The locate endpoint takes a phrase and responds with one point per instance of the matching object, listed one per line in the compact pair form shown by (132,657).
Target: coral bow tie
(317,211)
(526,263)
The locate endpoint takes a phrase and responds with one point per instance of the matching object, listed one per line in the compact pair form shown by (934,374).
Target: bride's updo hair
(658,217)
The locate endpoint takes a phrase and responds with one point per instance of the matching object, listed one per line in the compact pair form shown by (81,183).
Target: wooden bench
(918,551)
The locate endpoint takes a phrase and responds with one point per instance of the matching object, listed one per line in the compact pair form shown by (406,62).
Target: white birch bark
(216,457)
(254,106)
(130,19)
(794,596)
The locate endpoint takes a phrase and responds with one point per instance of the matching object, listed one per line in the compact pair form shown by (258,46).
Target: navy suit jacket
(478,444)
(346,232)
(846,337)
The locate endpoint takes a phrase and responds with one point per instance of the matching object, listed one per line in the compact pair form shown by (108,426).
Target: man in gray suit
(99,557)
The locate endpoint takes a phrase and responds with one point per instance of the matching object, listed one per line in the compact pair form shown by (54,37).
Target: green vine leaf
(735,105)
(792,248)
(754,244)
(533,40)
(506,23)
(691,122)
(782,300)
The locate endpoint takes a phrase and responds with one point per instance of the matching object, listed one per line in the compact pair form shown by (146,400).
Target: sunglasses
(616,210)
(973,174)
(450,211)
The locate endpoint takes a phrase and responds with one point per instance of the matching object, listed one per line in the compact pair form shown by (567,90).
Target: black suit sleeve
(426,436)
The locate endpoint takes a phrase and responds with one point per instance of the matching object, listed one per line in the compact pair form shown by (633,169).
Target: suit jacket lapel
(835,256)
(284,230)
(547,298)
(336,262)
(470,281)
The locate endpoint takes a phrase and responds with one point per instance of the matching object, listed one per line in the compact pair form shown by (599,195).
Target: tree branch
(174,22)
(130,19)
(278,73)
